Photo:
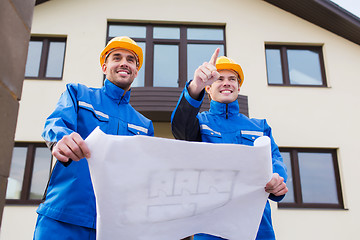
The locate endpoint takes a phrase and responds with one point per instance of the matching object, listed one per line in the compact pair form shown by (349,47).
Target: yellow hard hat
(122,42)
(225,63)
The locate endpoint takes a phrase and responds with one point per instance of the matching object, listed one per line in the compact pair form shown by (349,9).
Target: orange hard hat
(225,63)
(122,42)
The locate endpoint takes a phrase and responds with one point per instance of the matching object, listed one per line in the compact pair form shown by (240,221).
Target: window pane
(289,197)
(33,59)
(41,171)
(139,80)
(318,182)
(273,66)
(304,67)
(17,169)
(197,54)
(167,32)
(205,34)
(166,65)
(54,67)
(130,31)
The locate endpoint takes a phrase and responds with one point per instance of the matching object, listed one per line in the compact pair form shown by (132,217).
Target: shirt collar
(220,108)
(115,92)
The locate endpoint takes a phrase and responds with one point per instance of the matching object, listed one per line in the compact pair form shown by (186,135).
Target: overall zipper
(227,113)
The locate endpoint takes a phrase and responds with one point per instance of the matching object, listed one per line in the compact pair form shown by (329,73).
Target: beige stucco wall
(299,116)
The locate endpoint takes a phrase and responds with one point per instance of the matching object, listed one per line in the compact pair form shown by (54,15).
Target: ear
(103,68)
(207,89)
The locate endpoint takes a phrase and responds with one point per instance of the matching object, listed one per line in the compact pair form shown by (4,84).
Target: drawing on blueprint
(183,193)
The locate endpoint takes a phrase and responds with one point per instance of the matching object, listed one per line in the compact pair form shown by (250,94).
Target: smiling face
(226,88)
(120,68)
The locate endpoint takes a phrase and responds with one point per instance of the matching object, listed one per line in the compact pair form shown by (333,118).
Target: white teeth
(226,91)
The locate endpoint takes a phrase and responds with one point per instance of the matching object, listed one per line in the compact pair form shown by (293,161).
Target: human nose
(124,62)
(226,82)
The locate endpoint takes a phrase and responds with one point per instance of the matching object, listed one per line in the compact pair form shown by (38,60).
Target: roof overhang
(325,14)
(37,2)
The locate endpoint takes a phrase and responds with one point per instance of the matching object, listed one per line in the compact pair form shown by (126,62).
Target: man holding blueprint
(222,78)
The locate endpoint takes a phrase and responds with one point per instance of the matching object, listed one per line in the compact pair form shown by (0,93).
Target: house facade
(301,63)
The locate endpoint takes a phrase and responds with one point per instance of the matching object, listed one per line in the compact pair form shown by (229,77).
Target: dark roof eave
(325,14)
(37,2)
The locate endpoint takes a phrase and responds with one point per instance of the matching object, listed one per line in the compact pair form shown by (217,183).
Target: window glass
(318,182)
(16,176)
(55,61)
(139,80)
(289,197)
(197,54)
(167,32)
(45,58)
(170,51)
(33,59)
(295,65)
(304,67)
(273,64)
(313,179)
(166,65)
(41,172)
(124,30)
(205,34)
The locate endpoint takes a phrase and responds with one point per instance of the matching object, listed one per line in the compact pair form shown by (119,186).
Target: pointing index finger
(214,56)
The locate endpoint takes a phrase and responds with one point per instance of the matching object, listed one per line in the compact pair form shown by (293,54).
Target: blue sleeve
(151,129)
(63,120)
(277,161)
(184,121)
(196,103)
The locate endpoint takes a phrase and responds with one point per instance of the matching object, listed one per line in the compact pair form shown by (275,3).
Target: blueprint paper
(150,188)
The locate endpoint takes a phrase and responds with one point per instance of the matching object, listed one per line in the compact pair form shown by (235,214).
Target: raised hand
(204,75)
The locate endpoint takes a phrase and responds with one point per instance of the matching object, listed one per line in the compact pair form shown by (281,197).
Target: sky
(352,6)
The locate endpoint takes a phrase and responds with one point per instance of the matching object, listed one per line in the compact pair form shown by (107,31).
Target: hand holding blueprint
(150,188)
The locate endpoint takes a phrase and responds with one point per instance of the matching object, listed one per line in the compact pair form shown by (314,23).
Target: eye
(131,60)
